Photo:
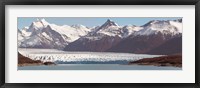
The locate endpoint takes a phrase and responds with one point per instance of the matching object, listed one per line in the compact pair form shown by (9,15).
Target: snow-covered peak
(36,27)
(156,22)
(110,23)
(78,26)
(130,29)
(107,24)
(44,21)
(110,28)
(39,24)
(165,27)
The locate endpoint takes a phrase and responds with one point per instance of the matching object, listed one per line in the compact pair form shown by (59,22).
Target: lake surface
(97,67)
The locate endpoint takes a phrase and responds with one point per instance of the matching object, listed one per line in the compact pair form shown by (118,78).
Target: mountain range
(154,37)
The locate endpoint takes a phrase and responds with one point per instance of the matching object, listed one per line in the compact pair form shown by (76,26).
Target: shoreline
(28,64)
(36,64)
(170,60)
(25,61)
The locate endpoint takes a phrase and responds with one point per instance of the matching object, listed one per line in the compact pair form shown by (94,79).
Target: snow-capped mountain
(130,38)
(153,38)
(103,37)
(110,28)
(165,27)
(107,37)
(41,34)
(108,24)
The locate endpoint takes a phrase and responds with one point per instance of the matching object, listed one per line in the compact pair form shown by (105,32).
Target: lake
(96,67)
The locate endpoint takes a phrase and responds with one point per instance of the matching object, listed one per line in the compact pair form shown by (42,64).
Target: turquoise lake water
(97,67)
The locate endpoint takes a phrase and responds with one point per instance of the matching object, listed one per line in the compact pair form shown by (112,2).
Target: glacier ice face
(51,55)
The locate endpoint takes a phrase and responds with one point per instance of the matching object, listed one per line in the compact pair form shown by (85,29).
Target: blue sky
(91,21)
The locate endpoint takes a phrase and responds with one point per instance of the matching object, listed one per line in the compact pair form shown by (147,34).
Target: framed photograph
(110,43)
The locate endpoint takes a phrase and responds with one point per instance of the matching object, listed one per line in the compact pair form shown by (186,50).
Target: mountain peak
(108,20)
(39,23)
(43,21)
(107,24)
(162,26)
(156,22)
(110,23)
(78,26)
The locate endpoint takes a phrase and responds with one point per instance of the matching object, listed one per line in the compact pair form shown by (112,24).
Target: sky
(90,21)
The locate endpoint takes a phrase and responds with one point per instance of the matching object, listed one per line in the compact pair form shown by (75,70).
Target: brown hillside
(172,60)
(22,60)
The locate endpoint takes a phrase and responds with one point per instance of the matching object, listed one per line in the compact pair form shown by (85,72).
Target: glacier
(58,56)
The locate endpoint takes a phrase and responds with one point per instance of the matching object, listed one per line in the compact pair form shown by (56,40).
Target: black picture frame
(99,2)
